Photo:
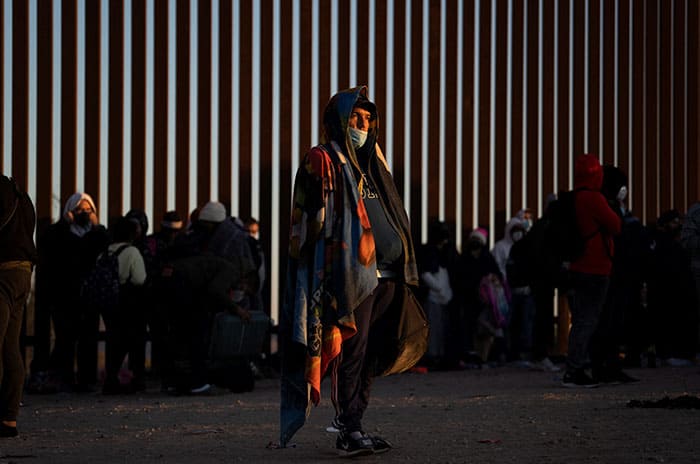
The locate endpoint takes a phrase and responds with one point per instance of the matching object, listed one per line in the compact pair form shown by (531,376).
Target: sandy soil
(501,415)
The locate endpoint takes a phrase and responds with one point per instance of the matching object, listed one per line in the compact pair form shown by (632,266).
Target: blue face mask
(358,137)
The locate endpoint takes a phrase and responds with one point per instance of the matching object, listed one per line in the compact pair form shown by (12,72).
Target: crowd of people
(170,285)
(632,291)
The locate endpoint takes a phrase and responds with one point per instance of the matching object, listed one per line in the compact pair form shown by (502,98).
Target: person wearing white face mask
(351,257)
(522,306)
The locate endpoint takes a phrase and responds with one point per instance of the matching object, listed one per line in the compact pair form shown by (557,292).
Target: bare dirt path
(501,415)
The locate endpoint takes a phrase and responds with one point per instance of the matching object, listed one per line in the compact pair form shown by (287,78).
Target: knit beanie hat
(213,212)
(479,234)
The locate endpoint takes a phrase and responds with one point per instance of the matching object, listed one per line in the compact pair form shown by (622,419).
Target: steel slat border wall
(162,104)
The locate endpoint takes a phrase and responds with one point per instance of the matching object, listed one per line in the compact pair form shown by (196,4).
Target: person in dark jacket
(543,273)
(194,287)
(434,259)
(474,264)
(126,331)
(227,237)
(161,245)
(17,256)
(625,284)
(590,273)
(690,239)
(68,250)
(671,293)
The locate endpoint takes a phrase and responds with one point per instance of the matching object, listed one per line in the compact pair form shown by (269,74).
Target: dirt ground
(498,415)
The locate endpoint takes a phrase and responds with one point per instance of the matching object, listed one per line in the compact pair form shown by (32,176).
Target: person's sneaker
(348,446)
(335,427)
(202,389)
(578,379)
(679,362)
(546,365)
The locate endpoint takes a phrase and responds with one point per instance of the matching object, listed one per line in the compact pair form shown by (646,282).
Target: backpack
(562,235)
(100,289)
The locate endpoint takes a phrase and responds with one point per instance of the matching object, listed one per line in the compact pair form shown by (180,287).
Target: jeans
(586,301)
(522,323)
(15,284)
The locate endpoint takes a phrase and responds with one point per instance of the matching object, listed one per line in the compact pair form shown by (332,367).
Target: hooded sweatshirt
(595,218)
(72,203)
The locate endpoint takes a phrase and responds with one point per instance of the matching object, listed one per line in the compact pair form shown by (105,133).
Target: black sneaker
(351,447)
(578,379)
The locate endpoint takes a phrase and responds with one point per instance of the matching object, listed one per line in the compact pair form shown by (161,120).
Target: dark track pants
(354,379)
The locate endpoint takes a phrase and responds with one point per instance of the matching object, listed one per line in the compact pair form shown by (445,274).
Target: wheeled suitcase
(231,338)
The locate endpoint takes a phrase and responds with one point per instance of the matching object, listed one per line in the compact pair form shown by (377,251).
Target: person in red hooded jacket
(590,274)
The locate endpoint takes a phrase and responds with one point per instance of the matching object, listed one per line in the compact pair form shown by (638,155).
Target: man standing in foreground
(17,256)
(351,254)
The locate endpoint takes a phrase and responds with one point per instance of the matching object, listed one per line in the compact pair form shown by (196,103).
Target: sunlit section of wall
(492,124)
(459,186)
(6,126)
(475,128)
(149,108)
(127,107)
(56,105)
(80,99)
(388,122)
(443,103)
(235,109)
(194,103)
(275,229)
(102,209)
(255,115)
(214,102)
(32,100)
(407,108)
(426,105)
(172,103)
